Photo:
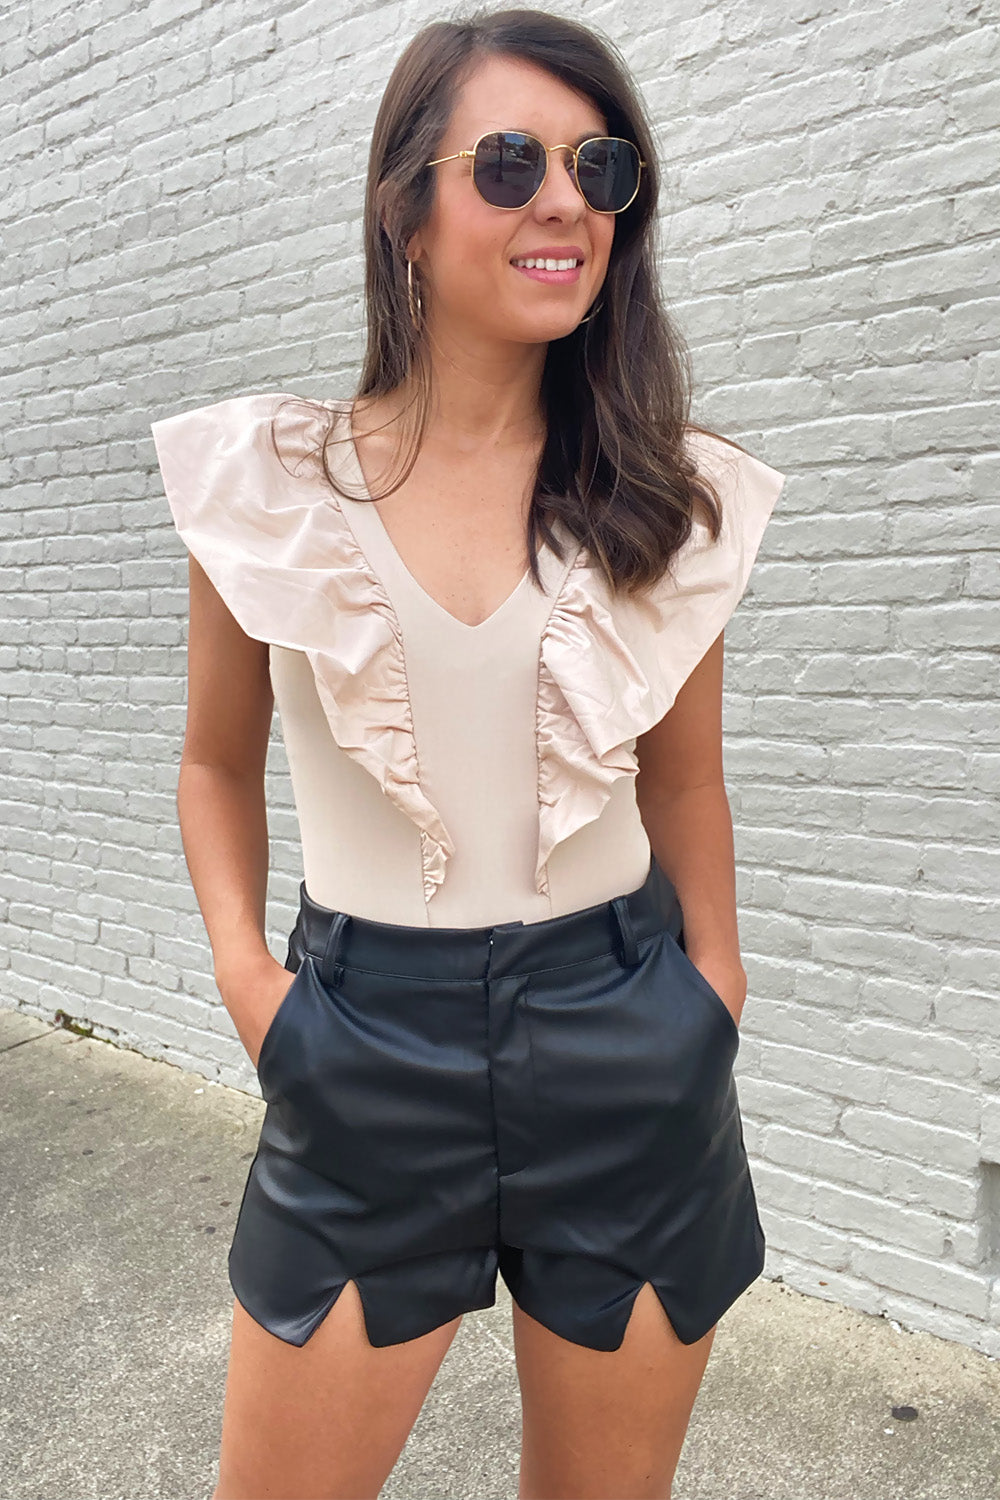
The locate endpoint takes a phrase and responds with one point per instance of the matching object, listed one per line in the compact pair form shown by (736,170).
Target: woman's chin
(537,329)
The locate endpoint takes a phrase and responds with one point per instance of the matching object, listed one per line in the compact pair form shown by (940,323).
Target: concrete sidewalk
(121,1182)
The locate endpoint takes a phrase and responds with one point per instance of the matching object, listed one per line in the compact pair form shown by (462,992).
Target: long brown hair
(616,391)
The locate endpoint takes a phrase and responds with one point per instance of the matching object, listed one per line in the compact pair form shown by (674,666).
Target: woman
(500,682)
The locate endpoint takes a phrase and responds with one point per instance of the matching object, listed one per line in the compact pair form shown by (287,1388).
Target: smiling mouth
(569,276)
(547,262)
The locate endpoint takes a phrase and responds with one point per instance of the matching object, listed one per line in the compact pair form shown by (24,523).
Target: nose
(559,192)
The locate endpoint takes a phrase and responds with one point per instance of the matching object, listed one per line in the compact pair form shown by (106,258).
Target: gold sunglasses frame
(565,146)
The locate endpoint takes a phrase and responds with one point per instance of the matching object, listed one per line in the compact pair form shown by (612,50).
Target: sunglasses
(509,167)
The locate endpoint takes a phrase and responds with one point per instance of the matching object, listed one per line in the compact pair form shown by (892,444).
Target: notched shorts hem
(400,1301)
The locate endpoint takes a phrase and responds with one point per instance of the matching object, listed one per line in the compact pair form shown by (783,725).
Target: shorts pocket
(701,984)
(279,1023)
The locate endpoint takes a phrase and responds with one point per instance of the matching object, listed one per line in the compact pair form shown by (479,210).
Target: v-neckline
(347,410)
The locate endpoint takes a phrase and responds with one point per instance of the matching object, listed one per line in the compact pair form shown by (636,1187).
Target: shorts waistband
(337,940)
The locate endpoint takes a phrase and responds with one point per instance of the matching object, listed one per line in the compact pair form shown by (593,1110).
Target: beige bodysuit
(446,775)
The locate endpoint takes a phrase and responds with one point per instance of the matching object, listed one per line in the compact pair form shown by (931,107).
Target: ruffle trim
(609,669)
(280,551)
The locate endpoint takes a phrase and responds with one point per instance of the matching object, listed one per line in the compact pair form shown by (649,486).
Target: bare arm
(221,803)
(682,799)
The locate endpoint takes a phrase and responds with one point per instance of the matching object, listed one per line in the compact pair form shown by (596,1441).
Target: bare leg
(606,1424)
(326,1421)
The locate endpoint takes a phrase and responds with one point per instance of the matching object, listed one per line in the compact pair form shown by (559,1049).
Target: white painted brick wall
(178,225)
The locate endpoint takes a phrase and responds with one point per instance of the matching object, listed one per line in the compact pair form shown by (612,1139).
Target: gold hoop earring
(593,310)
(416,317)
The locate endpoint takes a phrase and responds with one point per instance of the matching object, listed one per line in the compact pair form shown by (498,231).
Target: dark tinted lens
(508,168)
(608,174)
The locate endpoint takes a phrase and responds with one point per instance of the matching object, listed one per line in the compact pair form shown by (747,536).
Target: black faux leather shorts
(554,1099)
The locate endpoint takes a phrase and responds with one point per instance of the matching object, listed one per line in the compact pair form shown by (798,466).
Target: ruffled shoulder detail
(272,537)
(610,669)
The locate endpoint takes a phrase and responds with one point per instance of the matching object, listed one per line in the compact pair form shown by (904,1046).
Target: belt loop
(330,971)
(630,948)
